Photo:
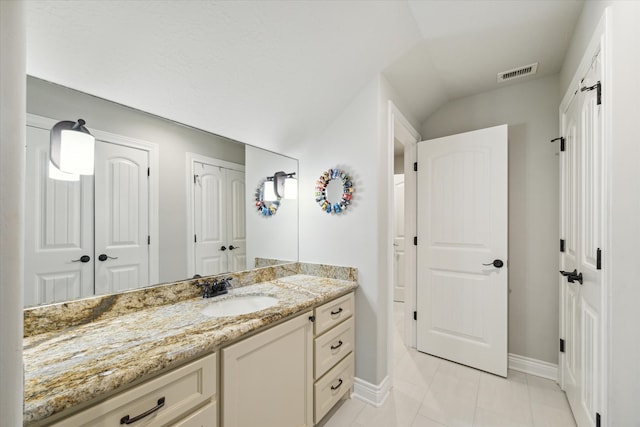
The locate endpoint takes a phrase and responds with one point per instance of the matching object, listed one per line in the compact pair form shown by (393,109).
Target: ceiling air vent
(516,73)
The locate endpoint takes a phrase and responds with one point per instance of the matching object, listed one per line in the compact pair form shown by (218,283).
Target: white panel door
(122,212)
(236,220)
(398,238)
(581,175)
(58,229)
(462,229)
(210,220)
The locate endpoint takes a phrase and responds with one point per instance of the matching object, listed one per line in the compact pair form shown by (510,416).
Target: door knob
(223,248)
(497,263)
(83,258)
(231,247)
(104,257)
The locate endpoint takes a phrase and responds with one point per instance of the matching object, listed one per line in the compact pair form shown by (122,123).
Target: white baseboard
(533,366)
(371,393)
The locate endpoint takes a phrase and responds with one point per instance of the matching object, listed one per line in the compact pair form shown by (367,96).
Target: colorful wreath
(321,191)
(266,208)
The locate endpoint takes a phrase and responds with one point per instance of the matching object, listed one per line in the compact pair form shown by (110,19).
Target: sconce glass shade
(290,188)
(57,174)
(269,191)
(72,148)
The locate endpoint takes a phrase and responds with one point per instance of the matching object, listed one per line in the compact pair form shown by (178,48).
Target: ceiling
(274,73)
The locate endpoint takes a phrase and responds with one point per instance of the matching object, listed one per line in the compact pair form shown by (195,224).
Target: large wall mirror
(167,202)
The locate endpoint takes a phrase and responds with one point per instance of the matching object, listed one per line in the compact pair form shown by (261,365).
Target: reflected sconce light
(281,185)
(71,150)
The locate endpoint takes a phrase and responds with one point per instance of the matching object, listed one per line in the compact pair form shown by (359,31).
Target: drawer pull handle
(127,420)
(337,386)
(333,313)
(335,347)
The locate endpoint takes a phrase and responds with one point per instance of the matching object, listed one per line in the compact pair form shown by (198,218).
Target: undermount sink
(235,306)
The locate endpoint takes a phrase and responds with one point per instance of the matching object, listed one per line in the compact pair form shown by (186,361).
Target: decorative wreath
(266,208)
(321,191)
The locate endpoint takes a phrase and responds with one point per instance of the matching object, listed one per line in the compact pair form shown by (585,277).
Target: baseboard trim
(533,366)
(372,394)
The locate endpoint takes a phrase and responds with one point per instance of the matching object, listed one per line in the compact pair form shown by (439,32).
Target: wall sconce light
(71,148)
(281,185)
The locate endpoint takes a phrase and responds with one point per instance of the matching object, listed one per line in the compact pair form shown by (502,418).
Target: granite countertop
(68,367)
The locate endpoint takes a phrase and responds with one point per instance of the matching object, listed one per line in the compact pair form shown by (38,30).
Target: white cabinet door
(581,222)
(121,218)
(462,229)
(267,379)
(58,229)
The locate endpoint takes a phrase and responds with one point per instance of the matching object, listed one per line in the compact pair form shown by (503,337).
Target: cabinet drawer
(332,313)
(207,416)
(330,388)
(182,389)
(332,346)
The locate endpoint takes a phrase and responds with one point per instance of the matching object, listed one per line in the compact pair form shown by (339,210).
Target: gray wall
(531,111)
(174,140)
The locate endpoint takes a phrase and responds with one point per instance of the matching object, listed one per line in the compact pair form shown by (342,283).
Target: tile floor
(432,392)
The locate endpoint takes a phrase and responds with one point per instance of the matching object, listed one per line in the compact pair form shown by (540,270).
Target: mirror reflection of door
(63,243)
(398,238)
(219,219)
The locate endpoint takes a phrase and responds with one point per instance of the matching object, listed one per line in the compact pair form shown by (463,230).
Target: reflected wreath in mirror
(334,191)
(265,207)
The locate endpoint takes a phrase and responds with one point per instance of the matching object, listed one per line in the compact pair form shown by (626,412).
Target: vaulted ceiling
(273,73)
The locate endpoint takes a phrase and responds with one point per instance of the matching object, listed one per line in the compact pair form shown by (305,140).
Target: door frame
(191,159)
(600,42)
(398,126)
(152,150)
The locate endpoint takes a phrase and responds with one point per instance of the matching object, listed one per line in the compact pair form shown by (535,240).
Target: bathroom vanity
(168,363)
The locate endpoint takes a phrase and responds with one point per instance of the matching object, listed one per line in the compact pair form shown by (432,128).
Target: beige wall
(531,111)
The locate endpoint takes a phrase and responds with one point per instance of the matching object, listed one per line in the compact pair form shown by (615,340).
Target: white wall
(174,141)
(12,137)
(273,236)
(356,142)
(352,237)
(531,111)
(624,317)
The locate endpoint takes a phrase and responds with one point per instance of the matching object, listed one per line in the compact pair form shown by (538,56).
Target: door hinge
(148,172)
(195,238)
(415,315)
(561,245)
(415,166)
(148,240)
(561,139)
(598,259)
(598,419)
(415,240)
(561,345)
(598,88)
(195,178)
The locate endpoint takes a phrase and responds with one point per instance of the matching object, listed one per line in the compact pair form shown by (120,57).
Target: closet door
(58,229)
(210,220)
(121,218)
(582,231)
(236,220)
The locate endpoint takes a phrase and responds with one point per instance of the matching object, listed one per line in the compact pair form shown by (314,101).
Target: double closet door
(219,219)
(581,232)
(89,236)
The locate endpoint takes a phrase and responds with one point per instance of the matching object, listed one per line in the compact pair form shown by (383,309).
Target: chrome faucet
(215,287)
